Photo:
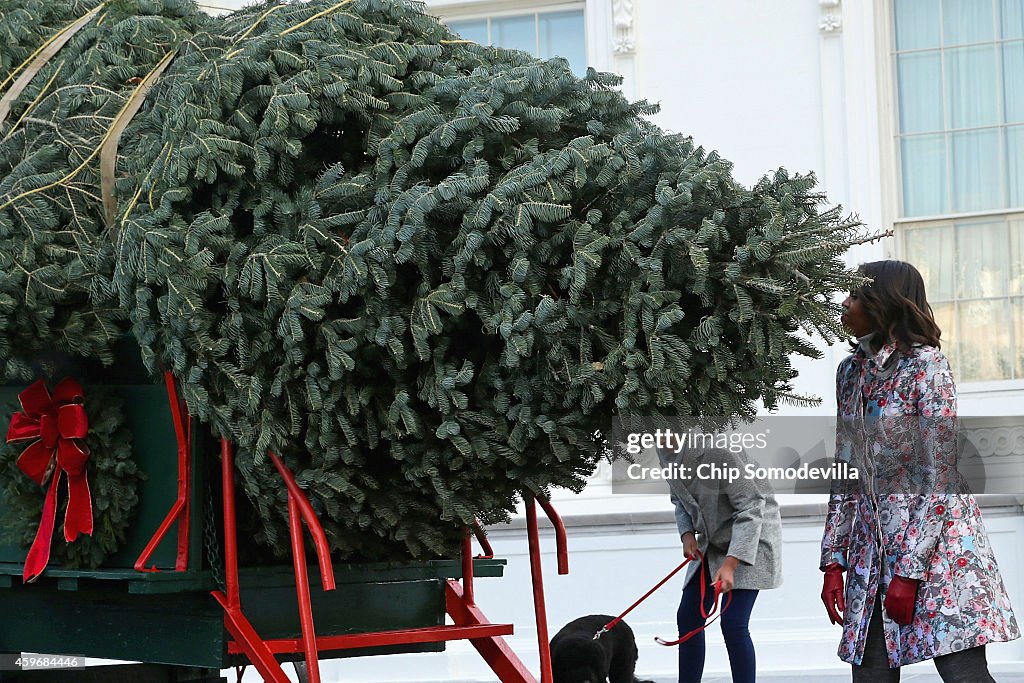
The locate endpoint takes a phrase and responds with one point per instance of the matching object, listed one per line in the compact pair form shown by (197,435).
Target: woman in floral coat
(921,578)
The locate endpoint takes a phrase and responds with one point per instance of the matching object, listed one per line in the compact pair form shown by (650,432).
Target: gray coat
(740,518)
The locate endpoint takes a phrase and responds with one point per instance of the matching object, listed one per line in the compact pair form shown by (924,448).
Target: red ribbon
(58,425)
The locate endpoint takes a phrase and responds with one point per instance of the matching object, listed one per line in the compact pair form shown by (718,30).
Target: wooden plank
(185,629)
(169,581)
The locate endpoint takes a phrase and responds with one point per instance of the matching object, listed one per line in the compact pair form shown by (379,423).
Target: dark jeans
(734,621)
(966,666)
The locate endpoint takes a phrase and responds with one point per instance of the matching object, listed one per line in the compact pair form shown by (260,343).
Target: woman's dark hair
(895,303)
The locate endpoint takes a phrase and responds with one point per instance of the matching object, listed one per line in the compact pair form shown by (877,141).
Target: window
(544,34)
(960,74)
(974,275)
(959,69)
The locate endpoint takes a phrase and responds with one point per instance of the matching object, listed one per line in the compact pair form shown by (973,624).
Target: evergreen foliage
(426,272)
(56,260)
(25,25)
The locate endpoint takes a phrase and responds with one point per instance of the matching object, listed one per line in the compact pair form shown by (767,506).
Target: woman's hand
(832,593)
(690,549)
(724,577)
(900,599)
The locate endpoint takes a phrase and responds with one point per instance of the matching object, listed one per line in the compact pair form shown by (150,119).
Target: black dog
(577,658)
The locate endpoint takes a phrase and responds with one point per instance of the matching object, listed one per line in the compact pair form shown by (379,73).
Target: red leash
(717,606)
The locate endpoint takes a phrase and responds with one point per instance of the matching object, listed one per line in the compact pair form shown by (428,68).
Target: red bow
(58,424)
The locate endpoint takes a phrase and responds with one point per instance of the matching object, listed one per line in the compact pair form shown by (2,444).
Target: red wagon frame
(469,622)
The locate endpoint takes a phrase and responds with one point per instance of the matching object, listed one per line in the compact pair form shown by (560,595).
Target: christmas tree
(56,258)
(426,272)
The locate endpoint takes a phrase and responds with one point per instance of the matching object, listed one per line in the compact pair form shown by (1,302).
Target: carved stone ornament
(831,18)
(830,23)
(622,17)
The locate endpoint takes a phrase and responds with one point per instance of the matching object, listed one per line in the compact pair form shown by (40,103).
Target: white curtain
(972,94)
(1017,261)
(1017,310)
(983,266)
(919,77)
(516,33)
(961,95)
(977,171)
(917,24)
(931,252)
(562,34)
(983,261)
(1012,18)
(984,345)
(546,35)
(920,91)
(471,29)
(967,21)
(924,175)
(960,80)
(1013,98)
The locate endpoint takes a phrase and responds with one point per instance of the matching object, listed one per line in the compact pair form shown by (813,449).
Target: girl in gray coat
(737,528)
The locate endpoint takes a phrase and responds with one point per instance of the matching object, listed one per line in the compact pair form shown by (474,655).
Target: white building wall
(802,84)
(742,78)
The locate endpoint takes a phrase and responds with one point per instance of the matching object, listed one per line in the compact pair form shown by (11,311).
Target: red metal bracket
(323,552)
(300,510)
(494,650)
(247,641)
(179,512)
(561,545)
(254,647)
(485,544)
(302,592)
(227,479)
(536,574)
(467,570)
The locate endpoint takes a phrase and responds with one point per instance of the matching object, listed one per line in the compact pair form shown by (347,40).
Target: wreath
(113,478)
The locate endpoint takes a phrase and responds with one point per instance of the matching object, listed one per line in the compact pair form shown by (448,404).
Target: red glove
(900,599)
(832,592)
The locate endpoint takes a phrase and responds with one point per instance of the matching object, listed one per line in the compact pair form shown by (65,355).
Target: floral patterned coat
(912,505)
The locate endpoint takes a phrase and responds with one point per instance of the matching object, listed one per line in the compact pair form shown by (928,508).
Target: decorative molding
(831,22)
(622,16)
(997,441)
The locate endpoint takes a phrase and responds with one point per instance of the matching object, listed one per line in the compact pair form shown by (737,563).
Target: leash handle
(691,634)
(611,624)
(718,605)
